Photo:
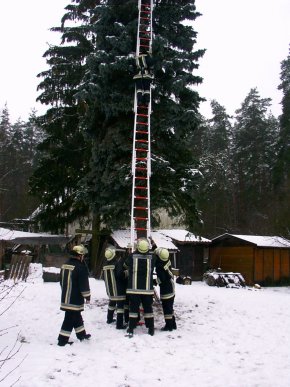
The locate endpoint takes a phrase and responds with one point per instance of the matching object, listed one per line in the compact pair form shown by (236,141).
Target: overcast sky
(246,40)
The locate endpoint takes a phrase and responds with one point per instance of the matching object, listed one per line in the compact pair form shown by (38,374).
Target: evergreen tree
(17,152)
(5,133)
(108,91)
(282,167)
(255,146)
(64,150)
(216,188)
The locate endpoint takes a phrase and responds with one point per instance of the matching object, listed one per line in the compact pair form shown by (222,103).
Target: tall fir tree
(255,147)
(282,167)
(108,91)
(64,150)
(215,194)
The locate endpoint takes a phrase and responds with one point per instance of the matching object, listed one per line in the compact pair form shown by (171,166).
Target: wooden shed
(260,259)
(47,249)
(192,252)
(188,252)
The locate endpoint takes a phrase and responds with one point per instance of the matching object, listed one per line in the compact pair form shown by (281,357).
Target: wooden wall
(271,264)
(255,264)
(237,259)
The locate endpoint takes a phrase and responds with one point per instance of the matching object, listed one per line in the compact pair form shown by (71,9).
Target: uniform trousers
(134,304)
(72,320)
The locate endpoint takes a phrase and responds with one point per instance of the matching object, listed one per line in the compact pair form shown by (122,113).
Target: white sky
(246,40)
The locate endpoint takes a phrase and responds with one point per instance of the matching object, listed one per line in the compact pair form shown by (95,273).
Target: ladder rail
(141,150)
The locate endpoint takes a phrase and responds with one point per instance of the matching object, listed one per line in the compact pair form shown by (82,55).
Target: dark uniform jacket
(74,282)
(165,279)
(140,273)
(115,279)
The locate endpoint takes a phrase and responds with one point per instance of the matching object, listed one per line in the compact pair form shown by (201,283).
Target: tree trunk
(96,225)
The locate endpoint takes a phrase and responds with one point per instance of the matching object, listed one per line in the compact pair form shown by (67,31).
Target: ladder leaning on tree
(141,155)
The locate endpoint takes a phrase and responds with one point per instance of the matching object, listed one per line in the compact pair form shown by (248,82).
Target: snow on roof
(162,238)
(260,241)
(181,235)
(31,237)
(123,238)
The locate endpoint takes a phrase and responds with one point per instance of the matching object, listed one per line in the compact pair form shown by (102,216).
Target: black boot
(110,315)
(168,326)
(174,322)
(63,343)
(120,324)
(86,336)
(151,331)
(130,332)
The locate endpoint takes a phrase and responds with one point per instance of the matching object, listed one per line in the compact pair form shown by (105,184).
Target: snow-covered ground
(225,338)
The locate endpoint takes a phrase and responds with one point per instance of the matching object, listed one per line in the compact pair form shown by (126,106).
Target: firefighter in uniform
(140,265)
(75,289)
(165,280)
(143,78)
(115,281)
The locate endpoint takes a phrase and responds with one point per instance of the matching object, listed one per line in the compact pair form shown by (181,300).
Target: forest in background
(215,175)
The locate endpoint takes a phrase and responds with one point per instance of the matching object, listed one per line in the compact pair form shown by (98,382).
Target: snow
(259,240)
(32,237)
(184,236)
(225,337)
(162,238)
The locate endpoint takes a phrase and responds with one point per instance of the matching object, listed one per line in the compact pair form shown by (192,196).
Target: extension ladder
(141,156)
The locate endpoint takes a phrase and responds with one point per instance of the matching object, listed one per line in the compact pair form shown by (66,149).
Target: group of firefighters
(130,288)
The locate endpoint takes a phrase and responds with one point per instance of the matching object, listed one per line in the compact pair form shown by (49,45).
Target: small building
(47,249)
(188,252)
(260,259)
(192,252)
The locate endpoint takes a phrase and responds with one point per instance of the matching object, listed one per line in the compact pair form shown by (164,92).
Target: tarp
(30,238)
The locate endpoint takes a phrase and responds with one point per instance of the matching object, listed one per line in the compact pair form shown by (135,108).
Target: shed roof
(181,235)
(258,240)
(162,238)
(123,238)
(31,238)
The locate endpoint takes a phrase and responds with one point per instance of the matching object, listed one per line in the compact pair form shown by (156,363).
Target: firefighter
(140,265)
(143,78)
(115,281)
(75,289)
(165,280)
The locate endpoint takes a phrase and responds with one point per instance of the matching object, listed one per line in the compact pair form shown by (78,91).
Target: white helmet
(80,249)
(110,252)
(142,245)
(162,253)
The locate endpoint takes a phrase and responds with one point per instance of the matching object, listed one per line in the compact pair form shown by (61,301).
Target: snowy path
(225,338)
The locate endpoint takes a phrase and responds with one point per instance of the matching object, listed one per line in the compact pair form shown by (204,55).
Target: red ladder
(141,156)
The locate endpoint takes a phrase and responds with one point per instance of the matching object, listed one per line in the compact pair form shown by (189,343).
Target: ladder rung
(147,32)
(141,177)
(141,158)
(141,168)
(143,141)
(141,208)
(141,132)
(141,197)
(140,228)
(140,218)
(139,187)
(142,115)
(141,150)
(144,45)
(142,123)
